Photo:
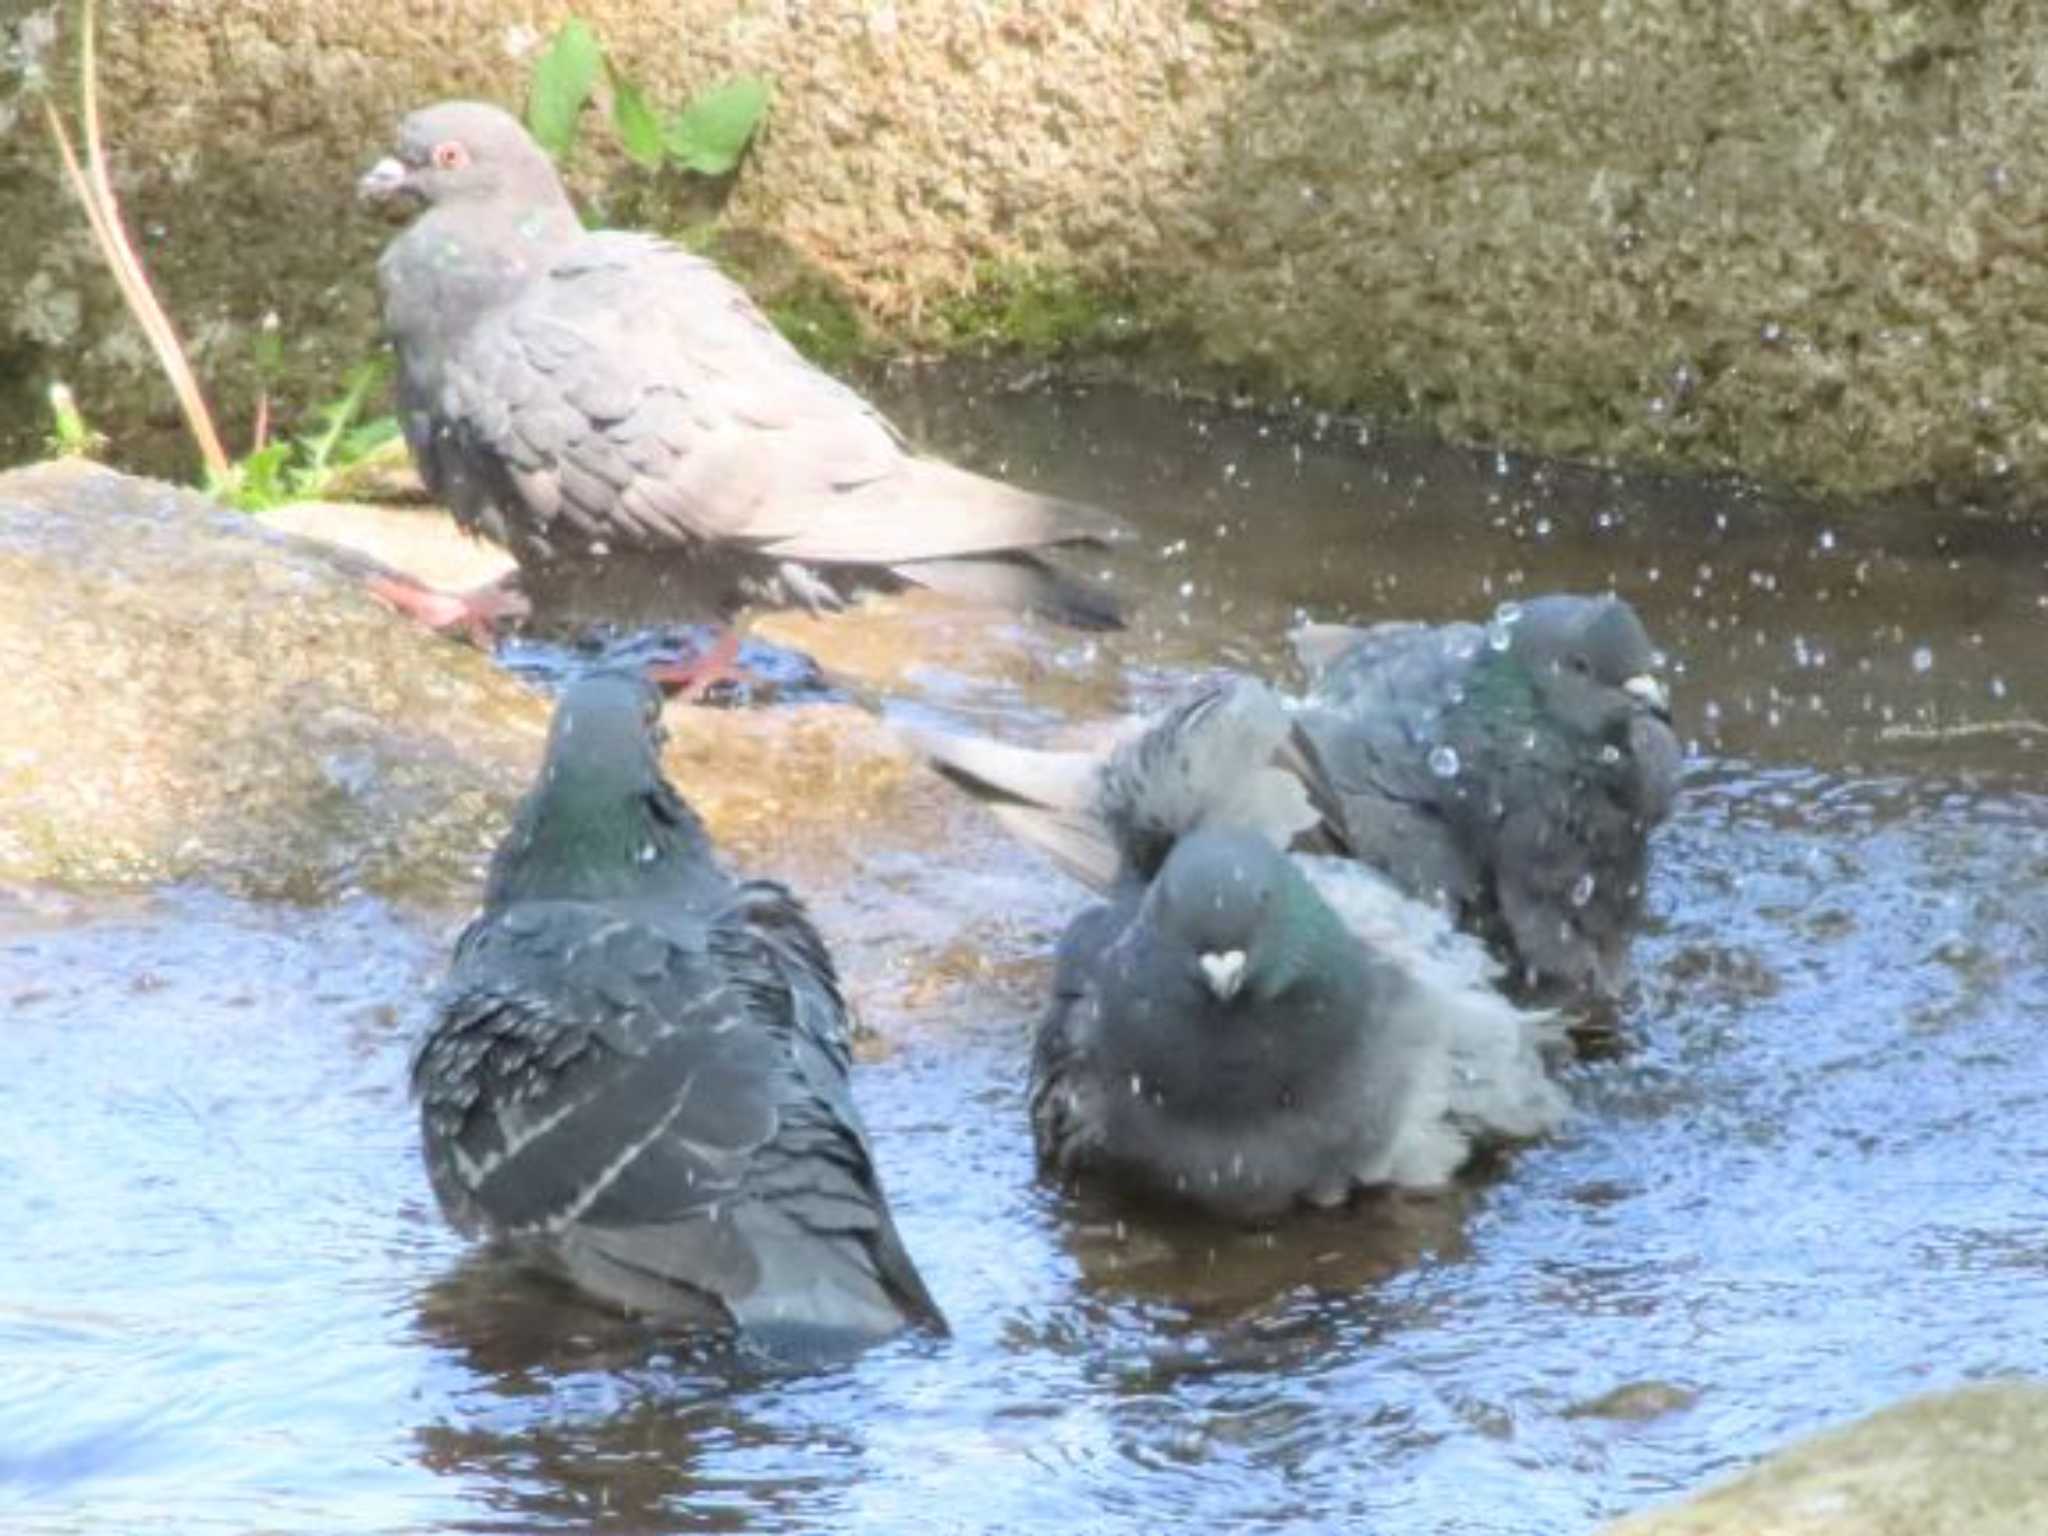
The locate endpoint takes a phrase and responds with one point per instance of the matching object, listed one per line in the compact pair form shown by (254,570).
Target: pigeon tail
(1229,757)
(1044,799)
(922,509)
(1018,581)
(1006,516)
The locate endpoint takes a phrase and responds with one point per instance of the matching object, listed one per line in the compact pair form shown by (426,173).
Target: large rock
(194,695)
(190,696)
(1966,1463)
(1796,239)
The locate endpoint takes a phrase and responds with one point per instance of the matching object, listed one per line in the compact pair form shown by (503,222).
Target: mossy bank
(1800,241)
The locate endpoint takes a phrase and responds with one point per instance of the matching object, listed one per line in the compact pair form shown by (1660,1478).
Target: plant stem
(95,192)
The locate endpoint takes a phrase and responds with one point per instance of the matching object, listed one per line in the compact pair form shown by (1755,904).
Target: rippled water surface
(1814,1180)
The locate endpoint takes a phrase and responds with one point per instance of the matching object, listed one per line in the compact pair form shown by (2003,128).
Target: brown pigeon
(579,396)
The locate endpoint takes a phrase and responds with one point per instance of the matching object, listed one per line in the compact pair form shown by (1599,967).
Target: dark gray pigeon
(1235,1027)
(577,396)
(638,1071)
(1511,771)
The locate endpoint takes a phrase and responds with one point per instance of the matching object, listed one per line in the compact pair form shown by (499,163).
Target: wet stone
(191,696)
(1964,1463)
(198,696)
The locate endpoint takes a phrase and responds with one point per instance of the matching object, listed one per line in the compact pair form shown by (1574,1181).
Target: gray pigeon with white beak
(1511,772)
(638,1070)
(1235,1027)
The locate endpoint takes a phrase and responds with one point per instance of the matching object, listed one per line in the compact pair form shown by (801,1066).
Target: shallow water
(1816,1180)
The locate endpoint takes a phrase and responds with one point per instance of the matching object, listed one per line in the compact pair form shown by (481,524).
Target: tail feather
(1017,581)
(1045,799)
(930,510)
(1225,758)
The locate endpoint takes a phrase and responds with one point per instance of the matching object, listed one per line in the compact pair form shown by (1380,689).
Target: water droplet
(1582,889)
(1923,659)
(1443,762)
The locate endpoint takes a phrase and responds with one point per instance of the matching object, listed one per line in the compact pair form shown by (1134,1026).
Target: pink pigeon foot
(478,613)
(691,680)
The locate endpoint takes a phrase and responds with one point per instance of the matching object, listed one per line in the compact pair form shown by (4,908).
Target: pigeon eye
(1580,663)
(449,155)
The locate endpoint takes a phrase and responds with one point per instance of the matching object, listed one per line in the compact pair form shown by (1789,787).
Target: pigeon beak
(1649,688)
(383,181)
(1224,973)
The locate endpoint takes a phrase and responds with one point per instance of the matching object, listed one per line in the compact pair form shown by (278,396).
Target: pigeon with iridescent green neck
(1236,1027)
(1511,772)
(638,1072)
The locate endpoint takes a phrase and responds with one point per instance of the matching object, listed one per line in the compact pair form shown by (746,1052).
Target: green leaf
(562,81)
(638,128)
(258,482)
(361,442)
(711,133)
(323,451)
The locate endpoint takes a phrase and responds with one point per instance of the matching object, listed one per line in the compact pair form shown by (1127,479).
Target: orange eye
(449,155)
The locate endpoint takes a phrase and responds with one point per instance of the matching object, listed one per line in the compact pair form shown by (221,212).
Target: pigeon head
(1230,899)
(601,822)
(1590,659)
(464,153)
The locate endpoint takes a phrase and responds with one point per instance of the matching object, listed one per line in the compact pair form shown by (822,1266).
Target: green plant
(272,472)
(302,468)
(1035,311)
(821,325)
(709,135)
(712,132)
(69,436)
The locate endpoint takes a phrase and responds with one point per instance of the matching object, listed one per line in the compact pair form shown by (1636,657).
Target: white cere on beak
(1225,972)
(382,179)
(1650,689)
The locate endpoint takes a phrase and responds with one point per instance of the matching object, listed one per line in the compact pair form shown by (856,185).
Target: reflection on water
(1817,1181)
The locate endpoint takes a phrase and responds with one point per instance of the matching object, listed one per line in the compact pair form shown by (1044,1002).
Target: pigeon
(1511,772)
(637,1072)
(1237,1028)
(578,395)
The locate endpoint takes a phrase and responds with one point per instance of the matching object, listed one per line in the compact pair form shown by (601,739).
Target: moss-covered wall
(1798,238)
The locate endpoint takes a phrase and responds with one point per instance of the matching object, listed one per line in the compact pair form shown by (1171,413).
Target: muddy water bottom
(1816,1181)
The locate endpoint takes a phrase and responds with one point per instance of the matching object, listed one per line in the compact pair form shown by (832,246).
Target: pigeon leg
(477,613)
(693,679)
